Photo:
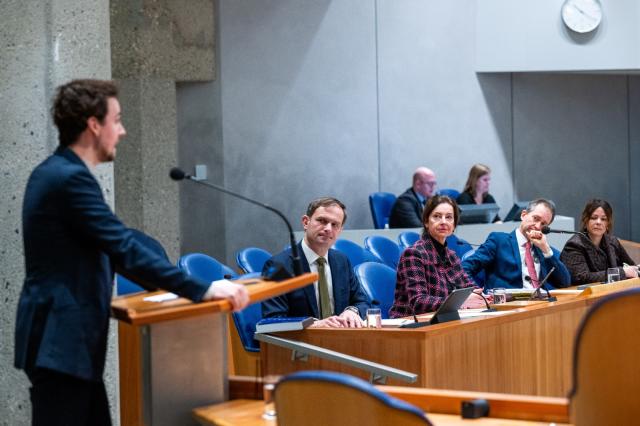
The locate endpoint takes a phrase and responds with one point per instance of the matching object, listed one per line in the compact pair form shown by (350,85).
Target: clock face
(582,16)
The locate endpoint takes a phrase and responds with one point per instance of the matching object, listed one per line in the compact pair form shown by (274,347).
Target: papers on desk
(464,313)
(565,291)
(395,322)
(161,297)
(472,313)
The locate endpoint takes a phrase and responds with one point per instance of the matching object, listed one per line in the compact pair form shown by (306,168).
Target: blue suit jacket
(499,258)
(347,290)
(71,240)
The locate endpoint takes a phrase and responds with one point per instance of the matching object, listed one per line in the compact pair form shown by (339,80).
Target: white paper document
(161,297)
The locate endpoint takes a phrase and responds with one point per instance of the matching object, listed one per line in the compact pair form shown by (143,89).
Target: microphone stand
(178,174)
(536,293)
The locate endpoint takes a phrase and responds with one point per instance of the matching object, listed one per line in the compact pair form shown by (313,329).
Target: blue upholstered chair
(205,267)
(245,322)
(458,245)
(252,259)
(407,239)
(379,282)
(328,398)
(449,192)
(606,377)
(385,249)
(355,252)
(381,204)
(209,269)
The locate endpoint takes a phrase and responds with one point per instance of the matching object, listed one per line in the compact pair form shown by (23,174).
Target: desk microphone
(536,292)
(486,302)
(546,230)
(178,174)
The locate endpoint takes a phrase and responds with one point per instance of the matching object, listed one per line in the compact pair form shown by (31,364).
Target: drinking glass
(499,296)
(613,275)
(374,318)
(269,404)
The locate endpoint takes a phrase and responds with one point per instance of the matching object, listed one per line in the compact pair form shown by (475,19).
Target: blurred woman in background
(589,254)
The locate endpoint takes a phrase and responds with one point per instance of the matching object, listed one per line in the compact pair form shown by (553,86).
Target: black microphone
(536,292)
(546,230)
(177,173)
(486,302)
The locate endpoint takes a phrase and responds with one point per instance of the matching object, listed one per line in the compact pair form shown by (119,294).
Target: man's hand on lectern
(237,294)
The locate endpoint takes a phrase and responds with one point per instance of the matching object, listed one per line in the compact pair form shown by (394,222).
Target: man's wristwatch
(352,309)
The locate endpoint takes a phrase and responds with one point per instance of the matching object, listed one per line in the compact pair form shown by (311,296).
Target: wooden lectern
(172,354)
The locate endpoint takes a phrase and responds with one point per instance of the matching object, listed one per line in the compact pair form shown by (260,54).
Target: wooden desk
(527,351)
(248,412)
(172,354)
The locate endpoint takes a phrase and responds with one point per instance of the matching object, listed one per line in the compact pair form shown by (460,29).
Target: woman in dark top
(476,190)
(428,271)
(589,254)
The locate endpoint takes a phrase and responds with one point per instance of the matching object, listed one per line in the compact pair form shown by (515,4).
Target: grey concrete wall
(513,35)
(154,46)
(348,97)
(43,44)
(299,111)
(571,141)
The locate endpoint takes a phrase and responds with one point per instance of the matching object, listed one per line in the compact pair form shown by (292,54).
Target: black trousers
(59,399)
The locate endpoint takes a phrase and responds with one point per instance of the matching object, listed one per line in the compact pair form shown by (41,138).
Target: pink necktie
(528,260)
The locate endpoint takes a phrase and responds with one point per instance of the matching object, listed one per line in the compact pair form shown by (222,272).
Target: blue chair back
(381,204)
(351,401)
(407,239)
(379,282)
(126,286)
(458,245)
(205,267)
(384,248)
(449,192)
(354,252)
(245,322)
(209,269)
(252,259)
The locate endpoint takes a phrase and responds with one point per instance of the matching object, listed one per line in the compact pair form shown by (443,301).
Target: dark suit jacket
(347,290)
(71,240)
(499,257)
(588,263)
(406,211)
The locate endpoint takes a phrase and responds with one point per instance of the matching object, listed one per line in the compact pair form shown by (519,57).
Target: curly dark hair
(77,101)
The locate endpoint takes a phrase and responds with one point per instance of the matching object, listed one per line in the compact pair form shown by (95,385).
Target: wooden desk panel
(528,351)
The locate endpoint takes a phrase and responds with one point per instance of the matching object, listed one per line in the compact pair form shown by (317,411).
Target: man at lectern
(71,240)
(337,298)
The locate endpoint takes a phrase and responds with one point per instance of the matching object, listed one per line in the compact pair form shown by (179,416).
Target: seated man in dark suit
(337,298)
(407,210)
(522,258)
(72,242)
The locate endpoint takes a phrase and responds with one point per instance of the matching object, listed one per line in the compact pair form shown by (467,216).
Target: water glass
(613,275)
(374,318)
(499,296)
(269,404)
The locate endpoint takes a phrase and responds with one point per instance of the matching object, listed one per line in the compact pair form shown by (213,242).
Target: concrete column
(43,44)
(154,46)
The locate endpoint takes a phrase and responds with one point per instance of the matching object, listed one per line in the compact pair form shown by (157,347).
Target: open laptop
(448,311)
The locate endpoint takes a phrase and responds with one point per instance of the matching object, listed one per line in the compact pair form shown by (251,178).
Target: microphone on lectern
(178,174)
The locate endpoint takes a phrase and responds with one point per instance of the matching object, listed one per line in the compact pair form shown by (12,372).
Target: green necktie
(323,290)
